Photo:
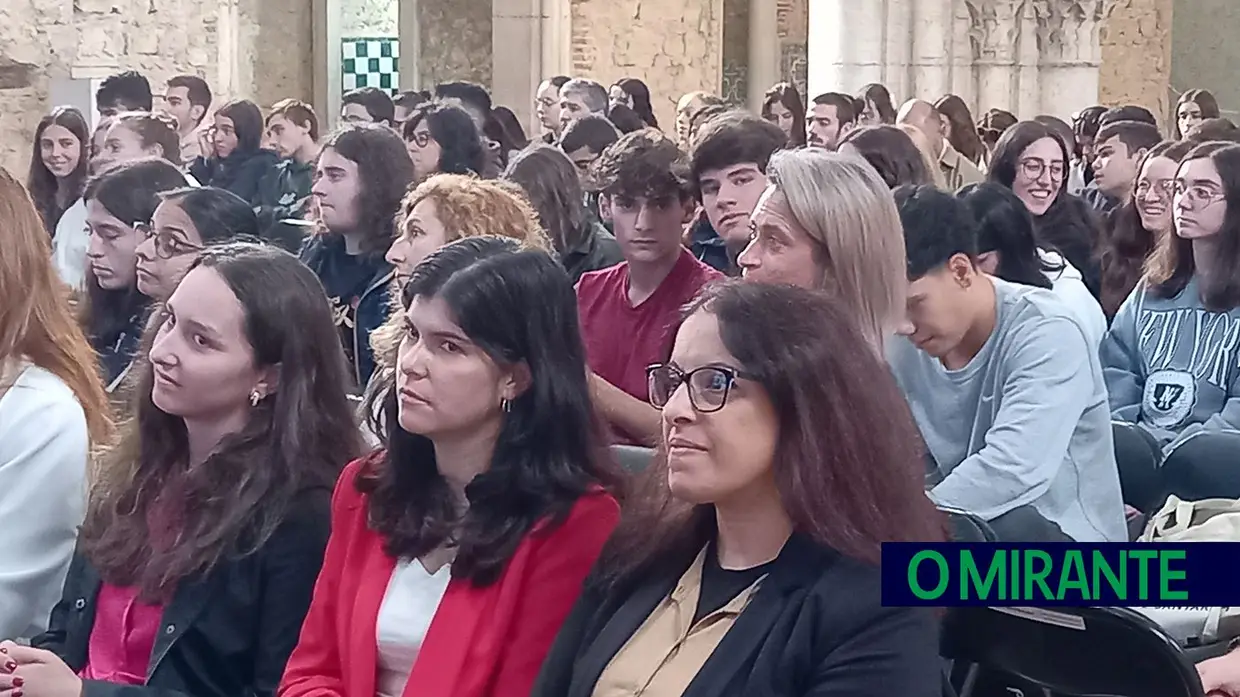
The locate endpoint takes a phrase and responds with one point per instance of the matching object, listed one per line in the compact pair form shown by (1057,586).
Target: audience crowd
(426,405)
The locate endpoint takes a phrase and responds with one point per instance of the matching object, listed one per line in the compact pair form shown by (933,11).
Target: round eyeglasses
(167,244)
(709,386)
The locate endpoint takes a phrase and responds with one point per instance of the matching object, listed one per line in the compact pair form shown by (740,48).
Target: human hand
(29,672)
(1221,675)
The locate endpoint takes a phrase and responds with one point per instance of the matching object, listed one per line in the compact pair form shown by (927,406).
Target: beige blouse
(666,652)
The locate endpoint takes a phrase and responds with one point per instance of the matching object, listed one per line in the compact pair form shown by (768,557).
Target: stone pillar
(516,50)
(764,49)
(454,41)
(792,19)
(275,51)
(675,47)
(325,52)
(847,44)
(410,38)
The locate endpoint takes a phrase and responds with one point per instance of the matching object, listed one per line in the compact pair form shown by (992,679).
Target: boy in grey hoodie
(1003,382)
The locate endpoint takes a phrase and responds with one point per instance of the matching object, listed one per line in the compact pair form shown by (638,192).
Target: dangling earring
(505,405)
(255,398)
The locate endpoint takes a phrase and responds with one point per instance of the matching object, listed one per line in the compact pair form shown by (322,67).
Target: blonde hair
(928,158)
(468,207)
(847,210)
(36,320)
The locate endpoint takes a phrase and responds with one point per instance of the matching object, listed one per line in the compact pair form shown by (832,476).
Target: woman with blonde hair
(828,221)
(449,207)
(52,410)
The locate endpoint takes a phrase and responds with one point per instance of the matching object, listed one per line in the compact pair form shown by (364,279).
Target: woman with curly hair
(443,137)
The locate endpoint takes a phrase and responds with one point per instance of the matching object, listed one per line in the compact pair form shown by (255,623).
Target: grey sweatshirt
(1171,365)
(1026,422)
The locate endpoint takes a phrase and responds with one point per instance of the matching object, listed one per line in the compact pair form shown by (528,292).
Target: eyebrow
(199,326)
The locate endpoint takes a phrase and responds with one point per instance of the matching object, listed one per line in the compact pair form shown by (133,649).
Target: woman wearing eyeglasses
(1032,161)
(1170,357)
(748,564)
(186,221)
(443,138)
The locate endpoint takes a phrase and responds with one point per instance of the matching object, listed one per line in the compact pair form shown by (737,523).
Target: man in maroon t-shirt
(627,311)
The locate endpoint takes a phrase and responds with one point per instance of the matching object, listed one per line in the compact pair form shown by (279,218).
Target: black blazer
(815,627)
(227,634)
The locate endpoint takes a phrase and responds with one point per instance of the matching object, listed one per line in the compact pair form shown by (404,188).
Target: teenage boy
(367,105)
(188,98)
(293,131)
(628,310)
(1118,149)
(360,180)
(728,174)
(127,91)
(1004,386)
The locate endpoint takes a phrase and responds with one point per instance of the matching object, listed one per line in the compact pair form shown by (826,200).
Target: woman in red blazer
(457,551)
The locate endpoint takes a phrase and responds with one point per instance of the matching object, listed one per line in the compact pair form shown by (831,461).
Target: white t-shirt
(69,246)
(1069,285)
(409,605)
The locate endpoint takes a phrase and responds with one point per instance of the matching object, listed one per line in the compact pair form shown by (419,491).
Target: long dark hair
(297,439)
(1005,226)
(963,136)
(130,193)
(551,184)
(1068,226)
(1126,244)
(786,93)
(878,95)
(892,153)
(461,150)
(1172,266)
(641,99)
(247,120)
(519,307)
(849,464)
(1202,98)
(385,170)
(41,183)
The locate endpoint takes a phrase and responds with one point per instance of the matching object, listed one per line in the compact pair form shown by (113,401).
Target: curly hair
(643,163)
(461,150)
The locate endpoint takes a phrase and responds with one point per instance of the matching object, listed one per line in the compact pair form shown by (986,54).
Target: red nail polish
(18,682)
(10,666)
(17,693)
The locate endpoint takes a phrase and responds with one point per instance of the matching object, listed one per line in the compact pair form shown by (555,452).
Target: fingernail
(17,693)
(18,682)
(10,666)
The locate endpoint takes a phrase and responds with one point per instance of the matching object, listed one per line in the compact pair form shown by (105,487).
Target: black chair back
(967,527)
(632,458)
(1085,652)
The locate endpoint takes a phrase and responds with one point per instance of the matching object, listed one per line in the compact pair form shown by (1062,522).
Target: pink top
(123,637)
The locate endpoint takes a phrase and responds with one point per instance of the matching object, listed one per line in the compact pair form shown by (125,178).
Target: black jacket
(241,172)
(597,249)
(815,627)
(227,634)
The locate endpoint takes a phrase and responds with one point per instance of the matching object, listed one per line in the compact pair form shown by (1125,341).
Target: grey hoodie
(1171,365)
(1026,422)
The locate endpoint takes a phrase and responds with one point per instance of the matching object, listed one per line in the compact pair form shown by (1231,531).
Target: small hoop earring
(505,405)
(255,398)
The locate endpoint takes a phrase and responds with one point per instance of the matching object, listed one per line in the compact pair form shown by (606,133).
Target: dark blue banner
(1202,574)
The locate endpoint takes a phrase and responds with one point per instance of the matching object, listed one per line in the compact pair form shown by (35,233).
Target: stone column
(847,44)
(410,38)
(454,41)
(764,49)
(325,18)
(516,56)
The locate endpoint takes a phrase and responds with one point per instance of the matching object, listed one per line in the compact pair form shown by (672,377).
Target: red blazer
(482,642)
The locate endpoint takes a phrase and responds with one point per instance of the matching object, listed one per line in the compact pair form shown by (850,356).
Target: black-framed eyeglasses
(709,386)
(1033,168)
(420,138)
(167,245)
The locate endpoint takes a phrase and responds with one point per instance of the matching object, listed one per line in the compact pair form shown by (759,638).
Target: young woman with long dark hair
(52,410)
(1193,107)
(117,204)
(443,137)
(961,131)
(58,164)
(233,157)
(1138,225)
(207,522)
(782,105)
(458,548)
(878,107)
(634,94)
(749,563)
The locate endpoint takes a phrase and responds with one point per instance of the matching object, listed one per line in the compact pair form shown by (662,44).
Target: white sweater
(43,462)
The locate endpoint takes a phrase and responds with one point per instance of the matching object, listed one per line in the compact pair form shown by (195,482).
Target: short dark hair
(558,81)
(625,119)
(1127,112)
(1085,121)
(410,98)
(1213,129)
(592,93)
(737,137)
(471,94)
(219,214)
(1135,135)
(937,227)
(298,112)
(892,153)
(196,88)
(845,105)
(375,101)
(1005,226)
(129,89)
(643,163)
(592,131)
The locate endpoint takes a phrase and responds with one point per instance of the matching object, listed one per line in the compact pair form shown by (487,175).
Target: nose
(748,259)
(679,408)
(645,217)
(146,250)
(162,353)
(411,362)
(396,254)
(905,327)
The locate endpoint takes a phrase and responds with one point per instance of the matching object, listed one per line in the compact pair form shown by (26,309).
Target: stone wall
(793,22)
(368,17)
(42,40)
(1136,54)
(675,47)
(455,37)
